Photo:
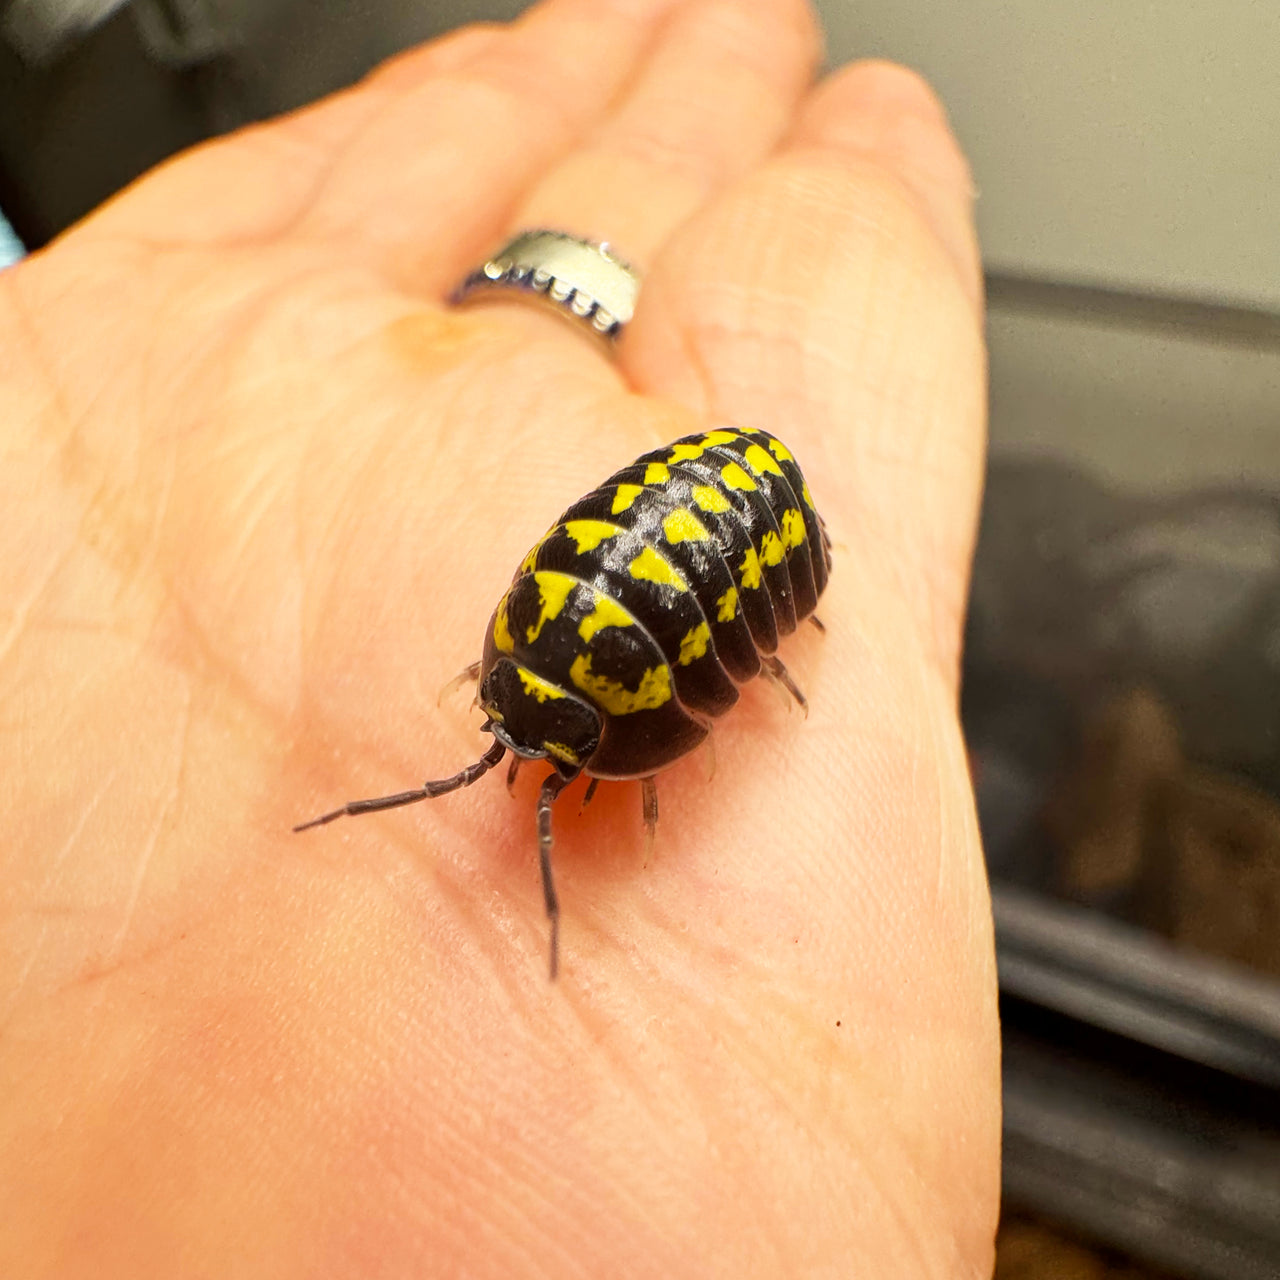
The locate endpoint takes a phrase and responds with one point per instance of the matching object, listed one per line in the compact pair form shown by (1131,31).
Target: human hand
(262,489)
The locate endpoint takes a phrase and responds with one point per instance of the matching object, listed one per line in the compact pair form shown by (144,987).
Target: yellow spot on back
(553,591)
(771,549)
(792,527)
(807,496)
(694,645)
(735,478)
(607,613)
(683,526)
(589,534)
(780,450)
(656,473)
(561,752)
(526,565)
(502,637)
(685,452)
(721,435)
(537,687)
(759,461)
(613,696)
(727,606)
(750,570)
(626,494)
(652,567)
(707,498)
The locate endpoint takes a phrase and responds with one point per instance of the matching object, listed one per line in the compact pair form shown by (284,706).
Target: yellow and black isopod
(630,625)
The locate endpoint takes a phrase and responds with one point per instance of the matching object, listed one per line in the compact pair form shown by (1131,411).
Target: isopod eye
(537,718)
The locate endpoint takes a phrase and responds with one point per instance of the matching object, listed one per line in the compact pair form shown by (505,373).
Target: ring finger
(716,93)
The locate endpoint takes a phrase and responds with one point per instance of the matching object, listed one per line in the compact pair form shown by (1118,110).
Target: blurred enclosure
(1122,680)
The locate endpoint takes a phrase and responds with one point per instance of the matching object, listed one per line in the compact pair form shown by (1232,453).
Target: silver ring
(582,279)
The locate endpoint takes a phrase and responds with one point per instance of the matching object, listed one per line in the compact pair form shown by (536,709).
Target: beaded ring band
(582,279)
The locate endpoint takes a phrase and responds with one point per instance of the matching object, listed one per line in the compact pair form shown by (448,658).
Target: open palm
(262,488)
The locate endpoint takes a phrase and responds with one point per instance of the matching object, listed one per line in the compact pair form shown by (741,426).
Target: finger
(427,184)
(831,296)
(442,56)
(415,169)
(717,92)
(258,181)
(889,115)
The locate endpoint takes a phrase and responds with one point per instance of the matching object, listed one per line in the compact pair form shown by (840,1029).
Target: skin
(262,488)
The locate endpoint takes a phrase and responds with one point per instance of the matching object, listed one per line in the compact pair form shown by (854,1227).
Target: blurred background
(1122,678)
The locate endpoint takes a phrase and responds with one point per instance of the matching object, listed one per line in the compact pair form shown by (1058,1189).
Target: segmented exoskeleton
(630,625)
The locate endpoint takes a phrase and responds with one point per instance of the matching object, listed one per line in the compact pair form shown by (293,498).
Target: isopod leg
(428,791)
(817,622)
(591,790)
(512,769)
(778,672)
(649,799)
(553,786)
(470,673)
